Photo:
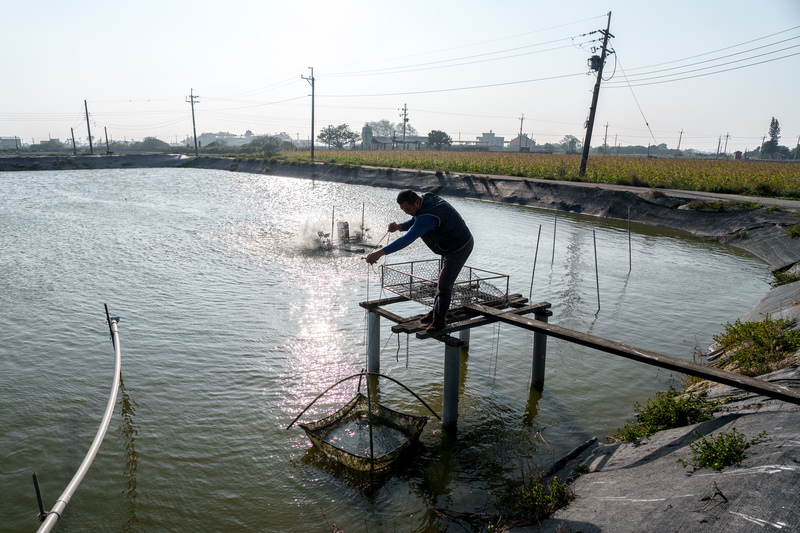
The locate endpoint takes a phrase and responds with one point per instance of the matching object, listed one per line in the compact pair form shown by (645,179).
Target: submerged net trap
(346,435)
(416,280)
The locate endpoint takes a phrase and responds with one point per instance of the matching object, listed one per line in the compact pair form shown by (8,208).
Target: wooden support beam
(391,316)
(372,304)
(462,322)
(749,384)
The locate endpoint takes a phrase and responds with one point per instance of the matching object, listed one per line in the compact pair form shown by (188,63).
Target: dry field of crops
(756,178)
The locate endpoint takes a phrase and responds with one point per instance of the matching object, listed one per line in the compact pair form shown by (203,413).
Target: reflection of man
(445,233)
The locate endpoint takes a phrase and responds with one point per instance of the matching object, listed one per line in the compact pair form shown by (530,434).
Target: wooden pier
(513,311)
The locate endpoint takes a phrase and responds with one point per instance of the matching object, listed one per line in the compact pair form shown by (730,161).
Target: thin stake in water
(555,222)
(630,257)
(535,255)
(596,272)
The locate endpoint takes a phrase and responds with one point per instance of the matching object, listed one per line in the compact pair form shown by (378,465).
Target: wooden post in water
(452,372)
(373,342)
(539,352)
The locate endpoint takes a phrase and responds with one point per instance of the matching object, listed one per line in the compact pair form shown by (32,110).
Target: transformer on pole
(595,63)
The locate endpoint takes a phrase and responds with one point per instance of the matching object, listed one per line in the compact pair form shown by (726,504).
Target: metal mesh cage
(416,280)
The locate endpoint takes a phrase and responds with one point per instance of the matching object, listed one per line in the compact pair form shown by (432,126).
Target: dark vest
(450,233)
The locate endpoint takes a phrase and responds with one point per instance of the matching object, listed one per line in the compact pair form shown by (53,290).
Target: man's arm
(421,225)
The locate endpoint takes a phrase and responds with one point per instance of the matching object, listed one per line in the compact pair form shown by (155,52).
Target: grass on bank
(755,348)
(530,502)
(750,348)
(724,449)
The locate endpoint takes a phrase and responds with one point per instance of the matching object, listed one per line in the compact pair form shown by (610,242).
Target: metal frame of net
(320,432)
(416,280)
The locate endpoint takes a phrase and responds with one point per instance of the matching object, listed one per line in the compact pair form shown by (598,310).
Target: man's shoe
(427,319)
(435,326)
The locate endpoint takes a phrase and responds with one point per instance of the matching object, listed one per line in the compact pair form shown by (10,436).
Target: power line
(452,89)
(715,59)
(717,50)
(439,64)
(638,83)
(384,60)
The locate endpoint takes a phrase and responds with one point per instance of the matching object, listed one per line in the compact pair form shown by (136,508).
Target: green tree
(384,128)
(439,139)
(153,144)
(266,143)
(338,136)
(570,144)
(771,146)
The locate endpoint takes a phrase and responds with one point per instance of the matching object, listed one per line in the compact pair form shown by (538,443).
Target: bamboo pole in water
(596,271)
(535,255)
(555,222)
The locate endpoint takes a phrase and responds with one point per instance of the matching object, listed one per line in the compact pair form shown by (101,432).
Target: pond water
(232,322)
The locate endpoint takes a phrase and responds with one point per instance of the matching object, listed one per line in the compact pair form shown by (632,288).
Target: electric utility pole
(310,80)
(191,99)
(74,148)
(404,116)
(593,109)
(521,119)
(678,151)
(86,107)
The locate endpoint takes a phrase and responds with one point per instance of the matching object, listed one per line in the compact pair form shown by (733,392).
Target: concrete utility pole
(725,150)
(521,119)
(592,110)
(678,151)
(191,99)
(86,107)
(605,141)
(310,80)
(404,116)
(719,142)
(108,150)
(74,148)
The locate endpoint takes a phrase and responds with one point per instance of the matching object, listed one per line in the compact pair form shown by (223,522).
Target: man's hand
(374,256)
(394,226)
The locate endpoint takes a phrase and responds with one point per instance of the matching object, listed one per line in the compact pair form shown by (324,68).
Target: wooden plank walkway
(749,384)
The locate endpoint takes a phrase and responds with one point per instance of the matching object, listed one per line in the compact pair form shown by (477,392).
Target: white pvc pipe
(63,500)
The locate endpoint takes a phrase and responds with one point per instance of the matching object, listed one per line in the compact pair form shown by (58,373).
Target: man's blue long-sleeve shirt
(416,228)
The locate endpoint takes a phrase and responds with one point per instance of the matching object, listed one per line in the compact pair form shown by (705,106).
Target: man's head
(409,202)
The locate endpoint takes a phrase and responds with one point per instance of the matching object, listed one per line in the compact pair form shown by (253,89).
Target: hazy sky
(705,67)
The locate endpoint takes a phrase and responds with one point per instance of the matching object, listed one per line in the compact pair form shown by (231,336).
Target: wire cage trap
(345,436)
(416,280)
(363,434)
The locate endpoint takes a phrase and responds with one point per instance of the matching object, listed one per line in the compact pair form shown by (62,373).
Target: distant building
(490,140)
(522,142)
(9,142)
(380,143)
(223,137)
(412,142)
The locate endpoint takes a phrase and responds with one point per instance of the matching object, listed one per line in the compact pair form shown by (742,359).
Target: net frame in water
(358,408)
(417,281)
